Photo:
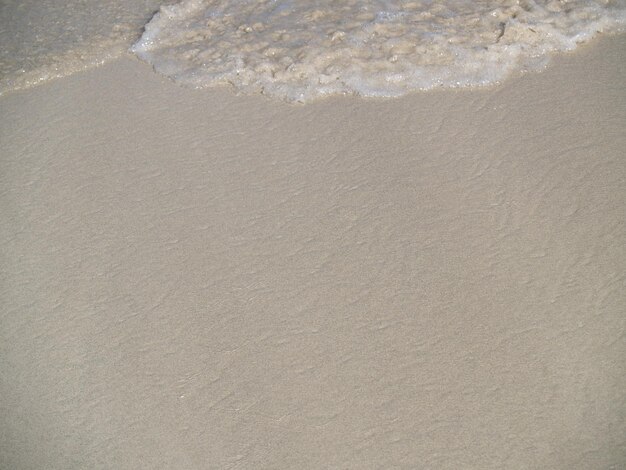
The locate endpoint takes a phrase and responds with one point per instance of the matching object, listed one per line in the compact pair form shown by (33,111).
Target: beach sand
(197,280)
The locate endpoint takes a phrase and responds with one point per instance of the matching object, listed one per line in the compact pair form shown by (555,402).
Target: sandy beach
(193,279)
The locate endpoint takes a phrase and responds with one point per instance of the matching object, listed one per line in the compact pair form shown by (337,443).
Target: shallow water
(45,39)
(299,50)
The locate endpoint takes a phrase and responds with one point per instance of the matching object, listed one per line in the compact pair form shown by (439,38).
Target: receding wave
(299,50)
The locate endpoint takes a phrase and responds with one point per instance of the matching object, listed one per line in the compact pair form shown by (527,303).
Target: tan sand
(196,280)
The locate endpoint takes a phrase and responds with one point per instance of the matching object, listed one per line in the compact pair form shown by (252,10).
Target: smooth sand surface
(197,280)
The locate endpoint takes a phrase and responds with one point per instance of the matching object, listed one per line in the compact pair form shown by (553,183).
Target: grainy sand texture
(197,280)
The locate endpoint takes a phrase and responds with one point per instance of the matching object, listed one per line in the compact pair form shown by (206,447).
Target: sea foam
(299,50)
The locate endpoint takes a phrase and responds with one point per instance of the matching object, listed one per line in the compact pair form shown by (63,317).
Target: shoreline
(121,55)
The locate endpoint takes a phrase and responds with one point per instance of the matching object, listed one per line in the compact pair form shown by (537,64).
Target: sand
(197,280)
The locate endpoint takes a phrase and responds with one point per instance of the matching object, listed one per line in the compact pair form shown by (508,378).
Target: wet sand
(193,279)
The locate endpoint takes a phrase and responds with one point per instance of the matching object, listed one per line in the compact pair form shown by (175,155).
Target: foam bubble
(299,50)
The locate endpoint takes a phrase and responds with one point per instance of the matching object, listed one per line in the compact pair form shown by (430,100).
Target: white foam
(299,50)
